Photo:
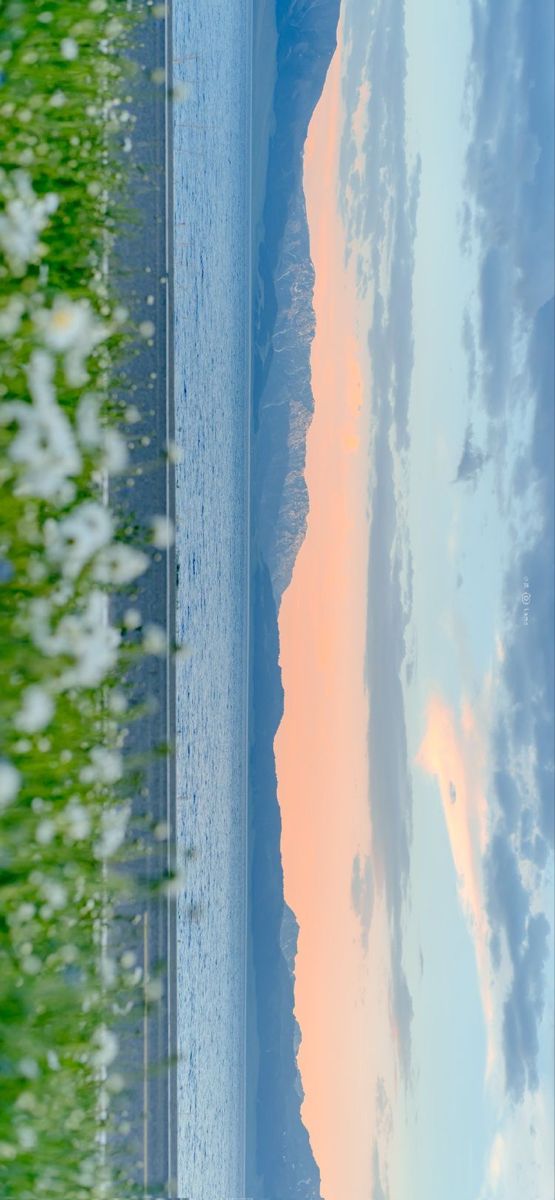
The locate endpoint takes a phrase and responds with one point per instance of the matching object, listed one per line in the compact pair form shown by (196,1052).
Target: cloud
(362,895)
(526,937)
(510,183)
(507,217)
(378,1190)
(379,198)
(390,786)
(502,900)
(520,1158)
(472,460)
(454,750)
(381,195)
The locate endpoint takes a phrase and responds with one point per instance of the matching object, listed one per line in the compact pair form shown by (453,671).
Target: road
(146,1145)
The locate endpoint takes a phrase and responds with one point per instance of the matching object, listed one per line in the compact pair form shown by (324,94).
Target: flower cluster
(65,783)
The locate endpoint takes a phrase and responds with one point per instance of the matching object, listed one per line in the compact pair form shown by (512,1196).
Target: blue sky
(450,212)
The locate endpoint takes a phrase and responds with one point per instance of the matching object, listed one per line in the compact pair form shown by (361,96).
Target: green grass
(64,83)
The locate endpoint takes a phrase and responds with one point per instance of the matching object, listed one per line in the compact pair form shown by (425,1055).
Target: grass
(65,782)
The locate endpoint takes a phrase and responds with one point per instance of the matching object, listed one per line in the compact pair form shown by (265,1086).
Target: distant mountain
(283,1166)
(283,317)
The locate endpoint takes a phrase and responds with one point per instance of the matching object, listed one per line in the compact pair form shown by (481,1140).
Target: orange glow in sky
(321,745)
(457,758)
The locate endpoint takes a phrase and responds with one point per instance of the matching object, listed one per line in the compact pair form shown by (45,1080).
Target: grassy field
(65,781)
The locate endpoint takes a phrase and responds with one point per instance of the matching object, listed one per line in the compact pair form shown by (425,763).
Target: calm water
(212,59)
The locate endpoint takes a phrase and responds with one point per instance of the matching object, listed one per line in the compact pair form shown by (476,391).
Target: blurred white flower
(117,702)
(153,990)
(175,453)
(174,886)
(54,893)
(26,911)
(26,1137)
(36,711)
(108,970)
(113,827)
(45,832)
(10,781)
(155,640)
(29,1068)
(87,420)
(147,329)
(44,447)
(10,316)
(132,618)
(87,638)
(73,541)
(77,820)
(93,435)
(71,328)
(119,564)
(23,219)
(163,533)
(105,1047)
(114,451)
(52,1060)
(105,766)
(69,49)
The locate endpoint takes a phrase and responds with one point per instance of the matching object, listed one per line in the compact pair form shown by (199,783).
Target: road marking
(145,1050)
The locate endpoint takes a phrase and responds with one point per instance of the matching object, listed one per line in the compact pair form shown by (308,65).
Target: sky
(415,755)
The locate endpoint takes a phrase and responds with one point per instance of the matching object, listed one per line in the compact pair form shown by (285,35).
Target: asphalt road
(146,1145)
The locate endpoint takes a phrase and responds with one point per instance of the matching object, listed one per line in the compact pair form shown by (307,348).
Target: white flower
(10,316)
(54,893)
(132,618)
(87,420)
(108,970)
(26,911)
(119,564)
(163,534)
(77,820)
(174,885)
(105,766)
(36,711)
(153,990)
(71,328)
(73,541)
(44,447)
(117,702)
(52,1060)
(27,1137)
(23,219)
(105,1047)
(155,640)
(93,435)
(86,637)
(175,453)
(147,329)
(29,1068)
(69,49)
(45,832)
(115,456)
(10,781)
(113,827)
